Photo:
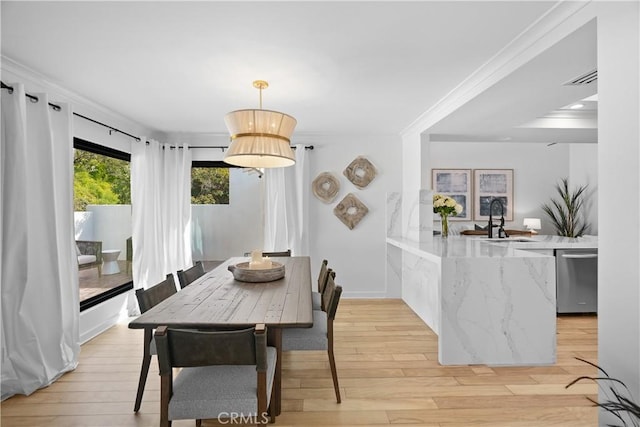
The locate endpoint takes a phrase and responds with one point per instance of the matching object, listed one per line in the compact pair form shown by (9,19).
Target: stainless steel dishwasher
(577,280)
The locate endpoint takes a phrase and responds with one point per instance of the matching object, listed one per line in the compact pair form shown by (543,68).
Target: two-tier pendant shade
(260,138)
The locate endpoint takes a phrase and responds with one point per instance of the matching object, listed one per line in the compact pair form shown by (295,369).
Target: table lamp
(532,224)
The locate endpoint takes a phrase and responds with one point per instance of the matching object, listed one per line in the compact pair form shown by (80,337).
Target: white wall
(219,231)
(223,231)
(358,256)
(537,168)
(83,225)
(619,180)
(584,171)
(112,226)
(36,83)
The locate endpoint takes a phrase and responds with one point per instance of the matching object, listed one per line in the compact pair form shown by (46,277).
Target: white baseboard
(366,295)
(99,318)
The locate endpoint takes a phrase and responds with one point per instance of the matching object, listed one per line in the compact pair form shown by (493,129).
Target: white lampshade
(532,223)
(260,138)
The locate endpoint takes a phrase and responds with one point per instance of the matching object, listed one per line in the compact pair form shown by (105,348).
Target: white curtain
(286,206)
(161,212)
(39,270)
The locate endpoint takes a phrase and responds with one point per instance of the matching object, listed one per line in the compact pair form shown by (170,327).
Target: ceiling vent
(583,79)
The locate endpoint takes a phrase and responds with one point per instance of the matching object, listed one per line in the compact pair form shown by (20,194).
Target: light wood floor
(388,370)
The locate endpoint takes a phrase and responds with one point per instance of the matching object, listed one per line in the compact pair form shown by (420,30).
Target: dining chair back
(148,298)
(331,295)
(316,297)
(223,373)
(283,253)
(320,336)
(276,254)
(185,277)
(154,295)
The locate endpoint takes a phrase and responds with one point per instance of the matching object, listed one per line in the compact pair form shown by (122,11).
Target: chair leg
(334,373)
(198,423)
(271,413)
(144,370)
(165,394)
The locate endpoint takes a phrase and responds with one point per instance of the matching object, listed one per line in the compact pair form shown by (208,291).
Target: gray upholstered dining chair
(316,296)
(148,298)
(320,336)
(223,373)
(185,277)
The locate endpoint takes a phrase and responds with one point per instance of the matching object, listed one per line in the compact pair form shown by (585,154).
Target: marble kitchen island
(488,302)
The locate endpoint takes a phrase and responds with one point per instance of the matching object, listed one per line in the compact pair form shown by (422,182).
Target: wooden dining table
(217,300)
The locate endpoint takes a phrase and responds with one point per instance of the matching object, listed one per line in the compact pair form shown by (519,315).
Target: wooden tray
(243,273)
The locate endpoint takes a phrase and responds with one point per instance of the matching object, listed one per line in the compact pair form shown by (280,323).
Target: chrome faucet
(501,233)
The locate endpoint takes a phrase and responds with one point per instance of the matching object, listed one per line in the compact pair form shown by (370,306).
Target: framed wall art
(492,184)
(455,183)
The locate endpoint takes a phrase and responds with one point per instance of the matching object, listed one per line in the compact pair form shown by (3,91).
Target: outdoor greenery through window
(209,185)
(100,180)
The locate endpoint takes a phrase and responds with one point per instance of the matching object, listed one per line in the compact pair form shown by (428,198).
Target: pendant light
(260,138)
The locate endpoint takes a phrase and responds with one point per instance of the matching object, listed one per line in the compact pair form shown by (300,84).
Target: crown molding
(36,81)
(306,138)
(558,22)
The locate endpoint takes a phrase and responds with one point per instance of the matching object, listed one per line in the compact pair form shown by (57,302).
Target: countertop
(483,247)
(545,242)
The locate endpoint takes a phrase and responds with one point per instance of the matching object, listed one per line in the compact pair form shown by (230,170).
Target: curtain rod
(31,97)
(224,147)
(34,98)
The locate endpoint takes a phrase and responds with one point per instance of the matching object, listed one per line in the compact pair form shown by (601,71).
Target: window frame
(92,147)
(213,164)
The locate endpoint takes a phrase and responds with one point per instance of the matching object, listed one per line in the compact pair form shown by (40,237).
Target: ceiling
(338,67)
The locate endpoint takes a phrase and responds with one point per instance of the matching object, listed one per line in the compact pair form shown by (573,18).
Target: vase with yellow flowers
(445,206)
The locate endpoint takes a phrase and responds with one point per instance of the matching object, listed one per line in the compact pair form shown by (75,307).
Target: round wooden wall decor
(325,187)
(360,172)
(350,210)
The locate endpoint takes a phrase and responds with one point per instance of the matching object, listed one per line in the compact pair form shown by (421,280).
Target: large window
(102,218)
(101,176)
(209,183)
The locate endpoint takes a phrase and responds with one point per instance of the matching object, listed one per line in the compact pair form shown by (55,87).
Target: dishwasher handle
(579,256)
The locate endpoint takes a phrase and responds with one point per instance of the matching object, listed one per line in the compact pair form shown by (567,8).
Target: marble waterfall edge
(498,311)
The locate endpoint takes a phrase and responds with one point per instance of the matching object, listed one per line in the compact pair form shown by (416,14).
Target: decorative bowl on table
(243,273)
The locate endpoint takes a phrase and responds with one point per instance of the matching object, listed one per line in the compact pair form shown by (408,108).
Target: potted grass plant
(565,213)
(618,401)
